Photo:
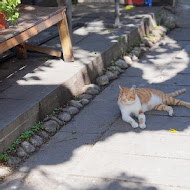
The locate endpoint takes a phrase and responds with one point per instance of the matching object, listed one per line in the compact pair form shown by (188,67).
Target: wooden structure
(33,20)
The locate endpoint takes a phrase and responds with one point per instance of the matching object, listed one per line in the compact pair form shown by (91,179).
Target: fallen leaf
(173,130)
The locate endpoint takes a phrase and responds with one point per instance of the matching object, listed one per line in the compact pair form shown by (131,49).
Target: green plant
(24,136)
(137,43)
(4,157)
(9,7)
(119,38)
(36,127)
(56,111)
(112,63)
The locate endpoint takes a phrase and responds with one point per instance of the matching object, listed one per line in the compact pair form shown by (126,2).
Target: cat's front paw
(134,125)
(142,126)
(171,112)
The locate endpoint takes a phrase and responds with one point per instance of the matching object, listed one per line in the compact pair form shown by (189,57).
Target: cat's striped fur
(136,101)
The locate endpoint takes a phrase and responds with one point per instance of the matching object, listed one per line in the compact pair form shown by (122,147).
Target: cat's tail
(176,93)
(175,102)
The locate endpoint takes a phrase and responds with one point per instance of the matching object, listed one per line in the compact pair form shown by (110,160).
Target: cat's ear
(120,87)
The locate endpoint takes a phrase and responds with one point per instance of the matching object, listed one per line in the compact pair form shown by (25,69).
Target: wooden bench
(32,20)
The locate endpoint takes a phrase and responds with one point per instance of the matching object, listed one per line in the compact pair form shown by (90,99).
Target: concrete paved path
(106,153)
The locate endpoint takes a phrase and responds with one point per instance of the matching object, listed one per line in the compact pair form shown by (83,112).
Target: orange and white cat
(136,101)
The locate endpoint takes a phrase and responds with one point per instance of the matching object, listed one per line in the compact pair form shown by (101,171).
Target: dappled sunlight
(55,67)
(161,67)
(130,143)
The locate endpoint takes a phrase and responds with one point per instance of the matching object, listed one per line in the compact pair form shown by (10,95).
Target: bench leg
(65,39)
(21,51)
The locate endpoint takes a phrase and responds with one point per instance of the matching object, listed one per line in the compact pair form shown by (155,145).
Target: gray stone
(64,117)
(142,45)
(72,110)
(116,72)
(128,60)
(27,147)
(92,91)
(21,153)
(50,126)
(4,171)
(169,22)
(57,120)
(111,68)
(119,69)
(89,87)
(47,118)
(76,104)
(156,32)
(122,64)
(111,75)
(43,134)
(84,101)
(85,96)
(36,140)
(13,160)
(137,51)
(102,80)
(155,39)
(163,29)
(147,42)
(135,58)
(115,68)
(143,50)
(162,44)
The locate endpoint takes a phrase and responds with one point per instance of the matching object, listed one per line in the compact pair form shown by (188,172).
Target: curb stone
(36,140)
(43,134)
(102,80)
(72,110)
(111,75)
(21,153)
(57,120)
(76,104)
(27,147)
(64,117)
(85,96)
(50,126)
(13,160)
(84,101)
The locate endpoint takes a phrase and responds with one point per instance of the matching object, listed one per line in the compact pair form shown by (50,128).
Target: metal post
(117,13)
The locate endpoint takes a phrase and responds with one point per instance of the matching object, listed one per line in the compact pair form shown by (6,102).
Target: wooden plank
(65,39)
(43,50)
(21,51)
(16,40)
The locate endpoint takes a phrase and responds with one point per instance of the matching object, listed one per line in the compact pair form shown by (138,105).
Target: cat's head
(127,95)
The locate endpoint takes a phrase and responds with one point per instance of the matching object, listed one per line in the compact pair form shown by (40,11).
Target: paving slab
(133,168)
(145,143)
(180,34)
